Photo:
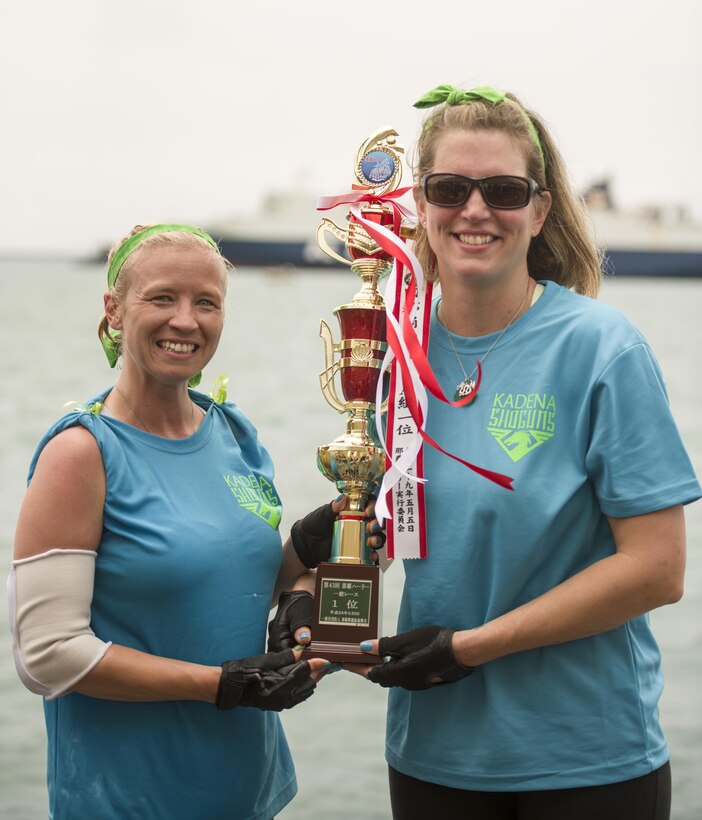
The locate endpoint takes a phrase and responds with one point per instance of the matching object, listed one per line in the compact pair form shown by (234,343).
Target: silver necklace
(141,420)
(467,385)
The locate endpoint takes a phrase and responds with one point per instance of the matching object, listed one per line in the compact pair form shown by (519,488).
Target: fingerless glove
(273,682)
(311,536)
(416,658)
(294,611)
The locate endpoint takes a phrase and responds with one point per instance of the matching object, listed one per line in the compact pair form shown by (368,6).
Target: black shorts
(643,798)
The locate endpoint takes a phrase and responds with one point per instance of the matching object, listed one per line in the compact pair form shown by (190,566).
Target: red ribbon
(325,203)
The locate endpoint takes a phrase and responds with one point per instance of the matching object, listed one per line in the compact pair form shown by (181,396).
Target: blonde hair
(564,250)
(177,239)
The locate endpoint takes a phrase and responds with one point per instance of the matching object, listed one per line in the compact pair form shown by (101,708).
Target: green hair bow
(450,95)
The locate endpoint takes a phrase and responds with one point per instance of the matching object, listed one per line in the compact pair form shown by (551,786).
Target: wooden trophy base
(347,607)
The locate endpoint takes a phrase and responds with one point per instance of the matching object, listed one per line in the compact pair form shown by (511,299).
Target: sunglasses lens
(506,192)
(446,189)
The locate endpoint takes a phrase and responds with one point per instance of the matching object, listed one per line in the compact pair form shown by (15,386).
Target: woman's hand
(290,625)
(272,682)
(311,536)
(416,660)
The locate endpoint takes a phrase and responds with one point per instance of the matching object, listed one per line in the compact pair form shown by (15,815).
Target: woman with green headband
(525,677)
(147,556)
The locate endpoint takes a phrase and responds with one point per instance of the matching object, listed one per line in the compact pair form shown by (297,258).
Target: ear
(421,205)
(112,311)
(542,205)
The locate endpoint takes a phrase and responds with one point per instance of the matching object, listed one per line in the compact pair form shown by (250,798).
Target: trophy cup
(348,587)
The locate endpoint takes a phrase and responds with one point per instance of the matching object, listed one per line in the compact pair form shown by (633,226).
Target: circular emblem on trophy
(378,168)
(378,163)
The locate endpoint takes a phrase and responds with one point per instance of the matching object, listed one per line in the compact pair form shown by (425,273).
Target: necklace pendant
(463,389)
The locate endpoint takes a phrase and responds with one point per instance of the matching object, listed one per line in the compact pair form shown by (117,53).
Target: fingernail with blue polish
(339,497)
(335,668)
(304,636)
(366,646)
(376,528)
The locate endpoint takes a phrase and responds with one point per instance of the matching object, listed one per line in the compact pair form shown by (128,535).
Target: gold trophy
(348,587)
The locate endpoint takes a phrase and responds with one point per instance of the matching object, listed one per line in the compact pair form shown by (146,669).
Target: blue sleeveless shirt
(185,569)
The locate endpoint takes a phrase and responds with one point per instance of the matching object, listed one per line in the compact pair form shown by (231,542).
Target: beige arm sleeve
(49,597)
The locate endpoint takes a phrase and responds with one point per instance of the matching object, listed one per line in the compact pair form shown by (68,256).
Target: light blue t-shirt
(185,570)
(572,406)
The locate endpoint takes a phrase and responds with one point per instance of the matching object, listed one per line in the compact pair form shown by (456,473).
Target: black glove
(294,611)
(377,533)
(311,536)
(274,681)
(416,657)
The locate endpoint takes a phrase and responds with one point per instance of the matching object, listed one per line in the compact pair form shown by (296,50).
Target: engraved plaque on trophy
(348,587)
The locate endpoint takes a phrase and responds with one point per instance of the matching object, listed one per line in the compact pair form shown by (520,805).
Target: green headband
(131,243)
(450,95)
(111,344)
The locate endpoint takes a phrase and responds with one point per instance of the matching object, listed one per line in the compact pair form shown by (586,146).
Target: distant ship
(648,242)
(283,234)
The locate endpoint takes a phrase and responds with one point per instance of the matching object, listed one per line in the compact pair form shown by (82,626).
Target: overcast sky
(128,111)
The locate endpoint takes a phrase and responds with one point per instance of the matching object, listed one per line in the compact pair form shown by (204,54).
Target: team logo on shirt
(256,495)
(521,422)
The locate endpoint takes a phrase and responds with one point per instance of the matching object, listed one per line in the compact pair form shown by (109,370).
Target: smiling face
(473,242)
(172,313)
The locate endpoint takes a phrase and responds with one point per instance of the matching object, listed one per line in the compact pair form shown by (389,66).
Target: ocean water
(49,355)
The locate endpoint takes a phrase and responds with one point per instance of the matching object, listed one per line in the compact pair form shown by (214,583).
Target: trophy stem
(370,271)
(349,540)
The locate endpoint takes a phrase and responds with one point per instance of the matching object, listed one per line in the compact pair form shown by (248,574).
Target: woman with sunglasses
(525,677)
(146,557)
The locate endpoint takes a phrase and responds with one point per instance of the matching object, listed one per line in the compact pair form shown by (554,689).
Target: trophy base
(343,653)
(347,611)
